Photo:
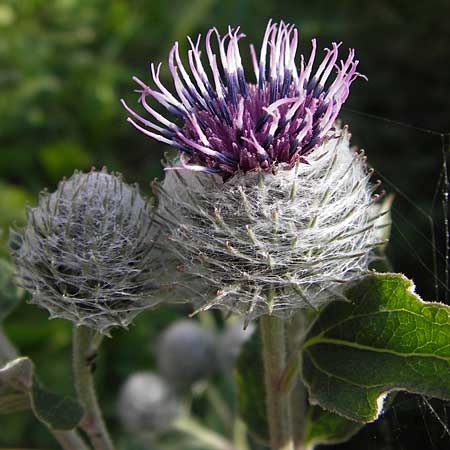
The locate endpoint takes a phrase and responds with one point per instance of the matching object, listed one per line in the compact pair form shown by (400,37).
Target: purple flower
(224,124)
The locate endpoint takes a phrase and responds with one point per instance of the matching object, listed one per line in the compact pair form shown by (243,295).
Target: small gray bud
(186,353)
(146,403)
(86,252)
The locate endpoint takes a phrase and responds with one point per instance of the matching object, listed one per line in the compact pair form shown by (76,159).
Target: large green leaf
(384,339)
(20,389)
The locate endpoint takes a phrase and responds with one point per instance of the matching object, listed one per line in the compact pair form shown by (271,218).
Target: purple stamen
(226,124)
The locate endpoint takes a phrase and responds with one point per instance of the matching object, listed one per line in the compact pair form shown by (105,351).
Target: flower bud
(186,353)
(146,403)
(86,252)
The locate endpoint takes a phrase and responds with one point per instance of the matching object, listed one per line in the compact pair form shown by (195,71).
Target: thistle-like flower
(231,125)
(86,252)
(267,208)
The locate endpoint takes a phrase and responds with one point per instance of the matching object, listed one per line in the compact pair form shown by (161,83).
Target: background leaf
(386,338)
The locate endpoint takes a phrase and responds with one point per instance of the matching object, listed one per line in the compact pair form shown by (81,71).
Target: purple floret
(228,125)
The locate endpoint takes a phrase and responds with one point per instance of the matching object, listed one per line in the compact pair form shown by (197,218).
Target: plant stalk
(278,405)
(84,350)
(70,440)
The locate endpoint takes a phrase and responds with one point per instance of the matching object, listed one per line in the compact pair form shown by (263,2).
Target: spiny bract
(86,252)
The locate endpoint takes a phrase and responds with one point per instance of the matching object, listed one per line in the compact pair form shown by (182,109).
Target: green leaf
(19,389)
(251,396)
(57,412)
(326,427)
(384,339)
(10,294)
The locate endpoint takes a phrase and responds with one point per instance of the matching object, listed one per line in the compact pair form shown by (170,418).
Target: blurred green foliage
(64,65)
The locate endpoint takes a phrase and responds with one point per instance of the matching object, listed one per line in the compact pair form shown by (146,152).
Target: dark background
(65,64)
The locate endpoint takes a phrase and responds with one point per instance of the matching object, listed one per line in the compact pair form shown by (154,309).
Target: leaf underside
(19,389)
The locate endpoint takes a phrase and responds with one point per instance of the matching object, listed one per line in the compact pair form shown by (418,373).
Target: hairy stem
(277,404)
(70,440)
(84,350)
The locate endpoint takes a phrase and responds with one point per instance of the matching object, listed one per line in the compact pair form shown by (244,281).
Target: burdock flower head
(86,252)
(267,207)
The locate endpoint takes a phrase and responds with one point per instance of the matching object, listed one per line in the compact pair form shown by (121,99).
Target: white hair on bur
(268,243)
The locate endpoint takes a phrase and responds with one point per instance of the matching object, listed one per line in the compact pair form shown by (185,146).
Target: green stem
(278,406)
(84,350)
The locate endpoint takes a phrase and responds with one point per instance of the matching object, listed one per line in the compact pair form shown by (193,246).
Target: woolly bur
(272,243)
(86,252)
